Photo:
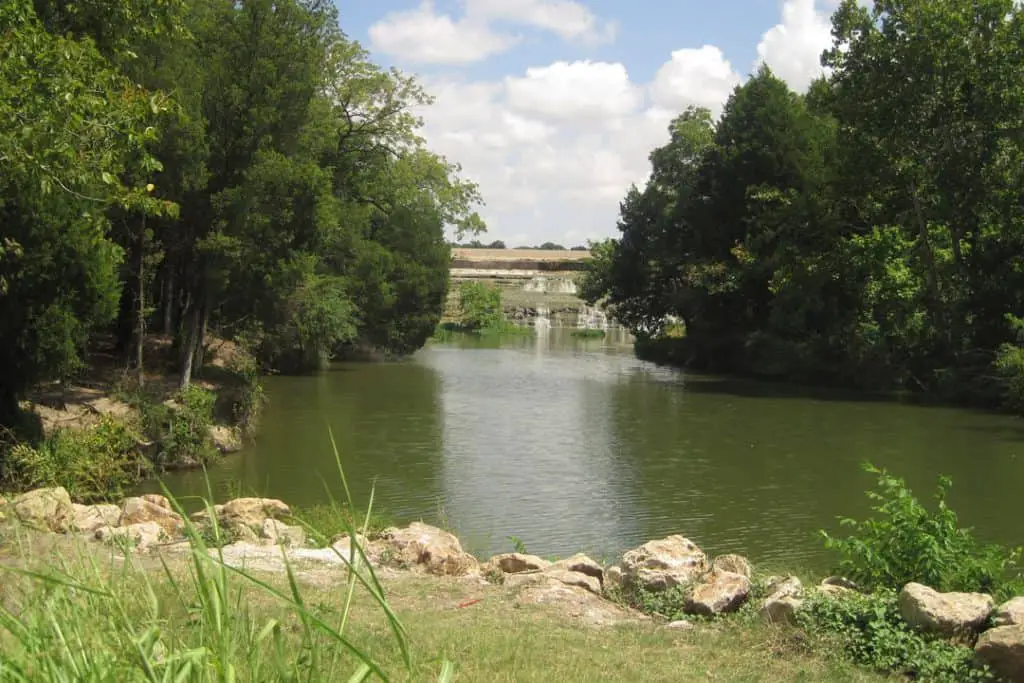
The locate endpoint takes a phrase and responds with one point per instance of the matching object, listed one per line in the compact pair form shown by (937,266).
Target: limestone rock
(279,533)
(515,563)
(578,579)
(139,510)
(433,550)
(834,591)
(225,439)
(1010,613)
(841,582)
(582,564)
(1002,649)
(614,577)
(780,609)
(45,509)
(664,563)
(251,511)
(680,625)
(947,614)
(139,536)
(89,518)
(785,587)
(572,601)
(737,564)
(720,593)
(158,500)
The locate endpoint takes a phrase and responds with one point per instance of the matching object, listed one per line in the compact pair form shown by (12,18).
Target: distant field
(518,254)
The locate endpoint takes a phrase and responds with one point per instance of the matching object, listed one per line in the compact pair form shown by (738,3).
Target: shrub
(94,463)
(868,629)
(247,398)
(182,431)
(1009,366)
(481,306)
(906,542)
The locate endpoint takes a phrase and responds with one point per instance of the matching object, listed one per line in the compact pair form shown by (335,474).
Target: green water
(573,444)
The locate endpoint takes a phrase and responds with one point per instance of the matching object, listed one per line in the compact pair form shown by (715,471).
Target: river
(575,445)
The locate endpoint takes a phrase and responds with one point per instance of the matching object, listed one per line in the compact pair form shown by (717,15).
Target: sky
(552,106)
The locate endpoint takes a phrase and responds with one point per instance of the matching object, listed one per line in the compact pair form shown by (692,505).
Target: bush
(182,431)
(906,542)
(247,398)
(869,630)
(95,463)
(481,306)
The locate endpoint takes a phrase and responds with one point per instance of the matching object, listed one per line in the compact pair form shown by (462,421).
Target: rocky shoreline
(252,536)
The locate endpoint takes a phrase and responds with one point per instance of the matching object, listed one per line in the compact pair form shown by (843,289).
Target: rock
(251,511)
(89,518)
(45,509)
(578,579)
(139,536)
(784,587)
(737,564)
(1002,650)
(680,625)
(948,614)
(138,510)
(582,564)
(515,563)
(841,582)
(780,609)
(279,533)
(720,593)
(613,577)
(664,563)
(158,500)
(1010,613)
(225,439)
(571,601)
(430,549)
(833,591)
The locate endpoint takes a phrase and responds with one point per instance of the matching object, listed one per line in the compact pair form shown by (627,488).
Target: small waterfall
(542,321)
(592,318)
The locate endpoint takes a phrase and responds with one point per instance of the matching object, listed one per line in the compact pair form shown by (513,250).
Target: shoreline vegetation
(252,587)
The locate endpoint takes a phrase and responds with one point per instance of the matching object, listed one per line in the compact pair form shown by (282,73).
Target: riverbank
(111,428)
(258,590)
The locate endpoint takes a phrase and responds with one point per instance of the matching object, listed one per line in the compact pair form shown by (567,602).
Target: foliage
(480,306)
(247,397)
(518,545)
(95,463)
(866,233)
(869,630)
(180,429)
(904,542)
(668,604)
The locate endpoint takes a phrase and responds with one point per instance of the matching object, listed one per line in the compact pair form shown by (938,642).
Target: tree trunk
(190,320)
(204,320)
(140,308)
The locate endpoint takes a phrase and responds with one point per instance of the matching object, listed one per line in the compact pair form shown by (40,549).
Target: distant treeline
(498,244)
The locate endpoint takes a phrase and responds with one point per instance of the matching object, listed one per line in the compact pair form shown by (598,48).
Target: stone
(45,509)
(737,564)
(833,591)
(1010,613)
(680,625)
(89,518)
(138,510)
(1002,650)
(721,592)
(840,581)
(515,563)
(780,609)
(574,602)
(140,536)
(251,511)
(784,587)
(582,564)
(225,439)
(613,577)
(947,614)
(577,579)
(664,563)
(279,533)
(421,546)
(158,500)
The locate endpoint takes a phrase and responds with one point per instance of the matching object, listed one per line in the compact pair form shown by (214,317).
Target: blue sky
(552,106)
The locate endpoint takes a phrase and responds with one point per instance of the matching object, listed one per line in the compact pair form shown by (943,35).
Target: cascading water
(592,318)
(543,318)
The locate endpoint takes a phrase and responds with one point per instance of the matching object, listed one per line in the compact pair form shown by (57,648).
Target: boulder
(720,592)
(89,518)
(421,546)
(1002,650)
(841,582)
(784,587)
(515,563)
(780,609)
(613,577)
(158,500)
(139,536)
(45,509)
(1010,613)
(278,533)
(572,601)
(139,510)
(251,511)
(225,439)
(664,563)
(582,564)
(947,614)
(834,591)
(578,579)
(737,564)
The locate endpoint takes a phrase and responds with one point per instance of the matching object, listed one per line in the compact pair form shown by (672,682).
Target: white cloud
(574,91)
(793,47)
(701,77)
(423,36)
